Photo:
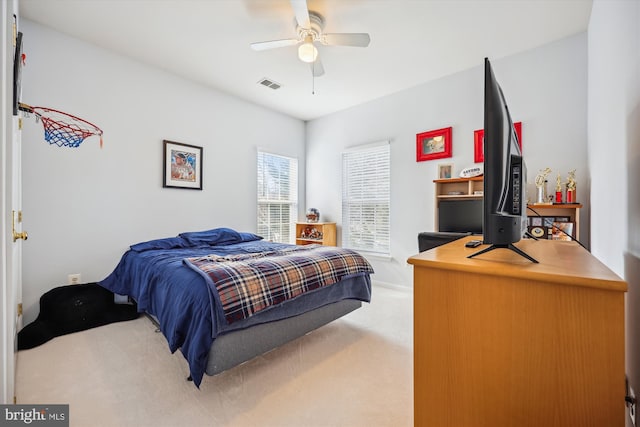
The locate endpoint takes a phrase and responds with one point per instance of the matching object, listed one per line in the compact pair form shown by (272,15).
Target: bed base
(233,348)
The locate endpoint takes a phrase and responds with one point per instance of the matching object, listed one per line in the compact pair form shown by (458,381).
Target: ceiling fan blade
(272,44)
(301,11)
(347,39)
(316,68)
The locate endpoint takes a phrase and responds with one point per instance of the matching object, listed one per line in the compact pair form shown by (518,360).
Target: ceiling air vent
(269,83)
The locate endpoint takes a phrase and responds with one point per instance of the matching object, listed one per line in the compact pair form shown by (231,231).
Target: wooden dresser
(500,341)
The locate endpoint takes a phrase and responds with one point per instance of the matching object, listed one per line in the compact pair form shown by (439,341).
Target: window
(366,194)
(277,197)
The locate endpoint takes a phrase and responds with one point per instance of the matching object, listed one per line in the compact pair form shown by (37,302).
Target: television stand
(506,246)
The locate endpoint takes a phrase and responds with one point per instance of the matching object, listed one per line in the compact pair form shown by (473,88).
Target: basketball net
(63,129)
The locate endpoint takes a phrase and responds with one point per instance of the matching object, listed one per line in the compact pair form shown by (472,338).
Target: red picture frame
(434,144)
(478,142)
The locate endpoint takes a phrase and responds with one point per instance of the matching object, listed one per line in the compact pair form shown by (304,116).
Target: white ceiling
(412,41)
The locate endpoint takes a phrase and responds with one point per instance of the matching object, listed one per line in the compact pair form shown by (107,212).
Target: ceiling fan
(309,28)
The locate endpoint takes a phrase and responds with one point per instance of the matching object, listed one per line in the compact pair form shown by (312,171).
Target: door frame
(10,201)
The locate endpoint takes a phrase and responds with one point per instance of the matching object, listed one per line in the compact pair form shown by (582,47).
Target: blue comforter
(154,274)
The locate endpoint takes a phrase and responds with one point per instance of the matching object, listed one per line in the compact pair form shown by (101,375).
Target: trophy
(571,187)
(558,189)
(541,186)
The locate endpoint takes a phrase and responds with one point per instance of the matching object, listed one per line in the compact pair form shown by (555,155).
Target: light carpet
(356,371)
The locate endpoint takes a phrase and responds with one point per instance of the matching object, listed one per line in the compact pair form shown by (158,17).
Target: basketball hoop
(63,129)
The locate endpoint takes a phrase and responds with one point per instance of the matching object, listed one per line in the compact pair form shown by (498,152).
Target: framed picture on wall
(434,144)
(182,166)
(478,142)
(445,171)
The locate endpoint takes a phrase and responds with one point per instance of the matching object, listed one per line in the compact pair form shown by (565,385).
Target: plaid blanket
(249,283)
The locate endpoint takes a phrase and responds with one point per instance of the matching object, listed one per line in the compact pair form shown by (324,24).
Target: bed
(223,297)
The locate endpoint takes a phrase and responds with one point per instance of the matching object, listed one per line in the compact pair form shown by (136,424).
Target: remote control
(473,243)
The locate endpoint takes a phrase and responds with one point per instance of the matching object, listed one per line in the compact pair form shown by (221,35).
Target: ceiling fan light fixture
(307,52)
(309,27)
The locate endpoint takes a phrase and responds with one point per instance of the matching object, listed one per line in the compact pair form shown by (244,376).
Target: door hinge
(15,400)
(20,123)
(20,309)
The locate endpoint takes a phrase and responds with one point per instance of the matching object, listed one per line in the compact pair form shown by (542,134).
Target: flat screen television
(460,216)
(504,199)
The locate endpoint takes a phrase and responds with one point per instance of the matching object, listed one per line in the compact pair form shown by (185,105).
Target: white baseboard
(393,286)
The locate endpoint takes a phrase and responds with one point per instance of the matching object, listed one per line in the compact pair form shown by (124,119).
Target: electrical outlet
(74,279)
(632,406)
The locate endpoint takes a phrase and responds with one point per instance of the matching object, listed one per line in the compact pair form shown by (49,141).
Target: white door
(11,199)
(14,257)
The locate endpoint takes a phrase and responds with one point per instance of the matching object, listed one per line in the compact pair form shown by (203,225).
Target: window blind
(277,197)
(366,195)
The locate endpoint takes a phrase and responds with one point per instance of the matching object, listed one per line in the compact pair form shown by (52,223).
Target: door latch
(23,234)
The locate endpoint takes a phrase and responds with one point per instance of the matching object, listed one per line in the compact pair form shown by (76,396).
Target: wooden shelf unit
(571,210)
(467,187)
(501,342)
(328,230)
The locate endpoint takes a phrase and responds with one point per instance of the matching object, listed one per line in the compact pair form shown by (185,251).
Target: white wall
(84,206)
(614,154)
(614,86)
(545,89)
